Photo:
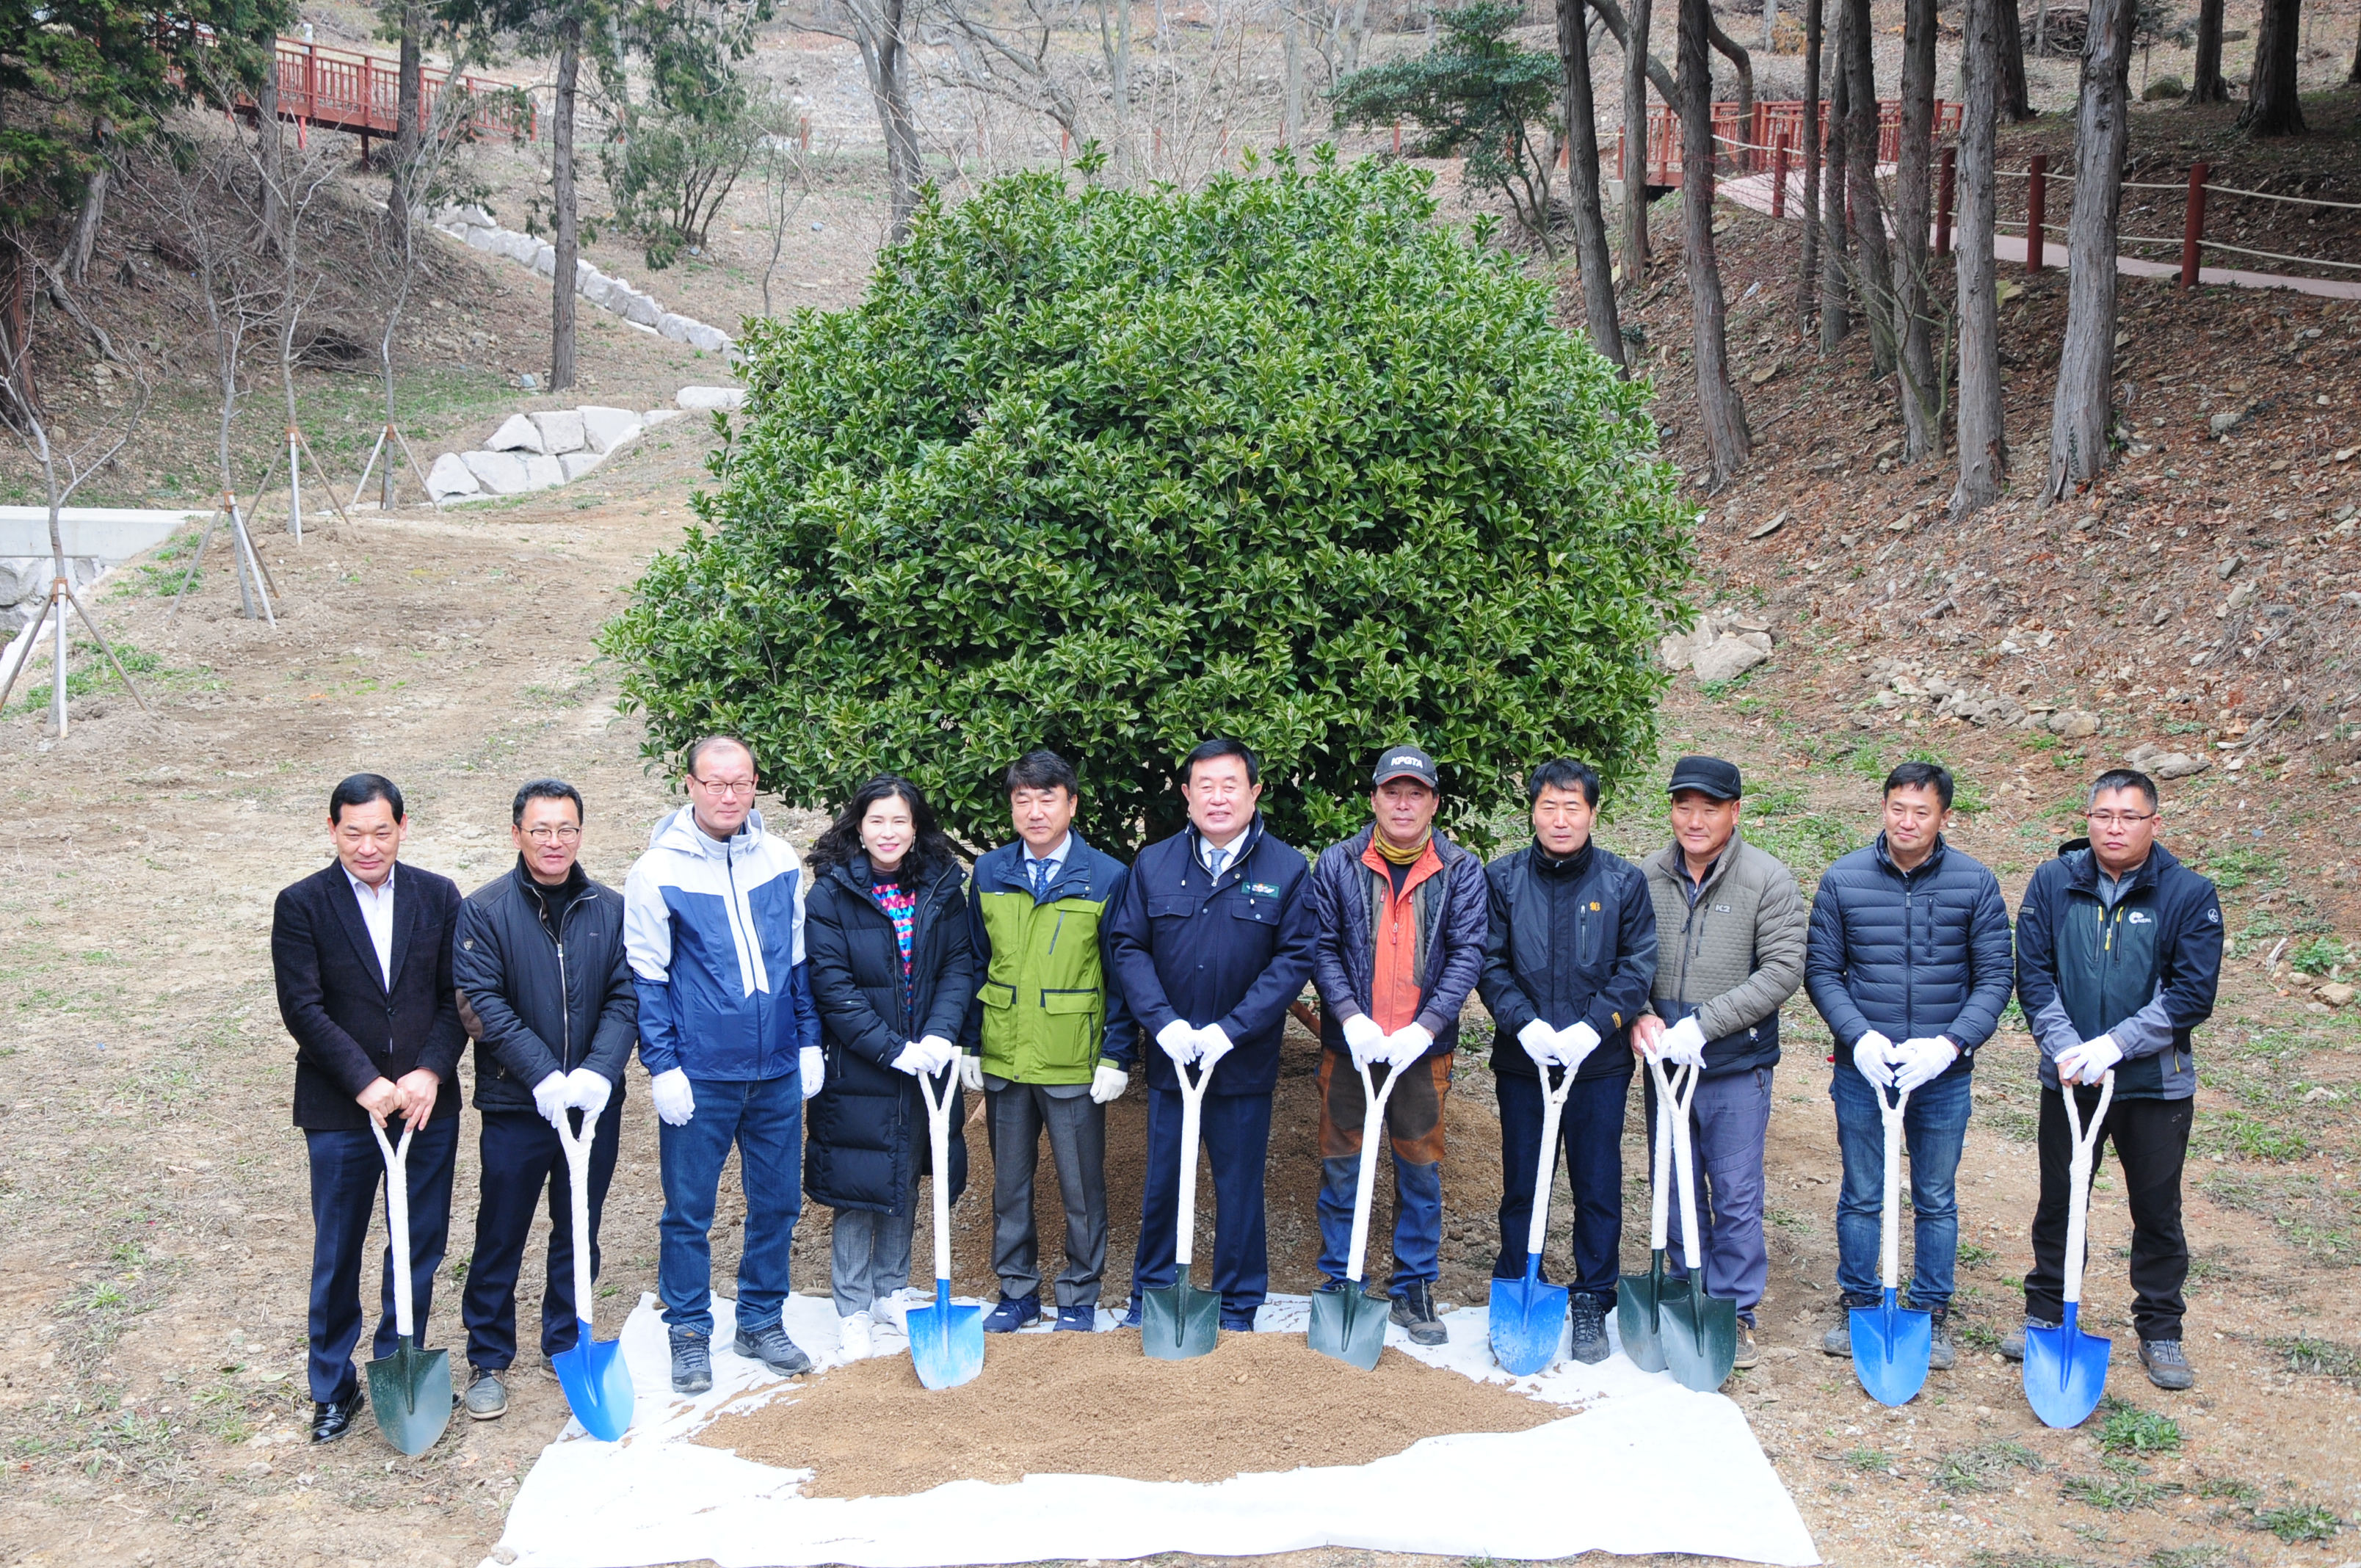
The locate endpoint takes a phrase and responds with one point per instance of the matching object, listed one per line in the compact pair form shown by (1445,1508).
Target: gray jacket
(1731,957)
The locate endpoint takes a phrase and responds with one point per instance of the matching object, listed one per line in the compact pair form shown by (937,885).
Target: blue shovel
(1528,1316)
(1892,1344)
(945,1342)
(596,1381)
(2066,1369)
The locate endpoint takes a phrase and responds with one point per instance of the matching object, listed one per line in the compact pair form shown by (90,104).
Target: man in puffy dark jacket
(546,989)
(1212,941)
(2118,954)
(1909,966)
(1569,949)
(1401,910)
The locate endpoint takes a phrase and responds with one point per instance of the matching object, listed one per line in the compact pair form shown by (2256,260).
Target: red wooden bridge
(1752,144)
(343,90)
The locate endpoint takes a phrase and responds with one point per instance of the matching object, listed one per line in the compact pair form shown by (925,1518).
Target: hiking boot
(1585,1330)
(1013,1313)
(770,1345)
(1414,1310)
(2167,1367)
(1749,1352)
(692,1362)
(853,1342)
(1838,1340)
(2012,1344)
(1941,1353)
(488,1400)
(1080,1319)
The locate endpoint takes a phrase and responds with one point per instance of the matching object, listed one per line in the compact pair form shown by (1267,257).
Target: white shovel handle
(1192,1108)
(1889,1220)
(397,1218)
(1682,1155)
(1372,1123)
(578,1179)
(939,1141)
(2078,1203)
(1545,1165)
(1660,1171)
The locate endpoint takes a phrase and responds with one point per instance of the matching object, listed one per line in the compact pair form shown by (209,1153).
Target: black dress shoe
(334,1419)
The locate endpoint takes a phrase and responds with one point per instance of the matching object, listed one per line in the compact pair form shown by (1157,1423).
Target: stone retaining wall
(473,226)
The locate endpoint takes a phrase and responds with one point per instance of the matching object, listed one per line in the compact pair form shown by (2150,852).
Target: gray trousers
(1014,1117)
(1727,1120)
(870,1254)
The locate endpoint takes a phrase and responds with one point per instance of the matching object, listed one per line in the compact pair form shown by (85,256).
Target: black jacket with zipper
(540,998)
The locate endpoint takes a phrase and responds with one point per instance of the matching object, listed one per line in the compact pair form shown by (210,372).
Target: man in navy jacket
(2118,954)
(1909,966)
(1212,941)
(362,956)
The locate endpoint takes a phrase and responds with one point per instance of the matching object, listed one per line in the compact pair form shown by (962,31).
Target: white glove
(972,1072)
(1107,1083)
(1212,1045)
(1922,1060)
(1873,1055)
(918,1056)
(2089,1062)
(1573,1043)
(1405,1045)
(1179,1041)
(1363,1038)
(811,1066)
(1540,1042)
(676,1101)
(1683,1042)
(549,1098)
(588,1092)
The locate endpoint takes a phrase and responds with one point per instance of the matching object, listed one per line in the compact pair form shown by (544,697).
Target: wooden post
(1396,138)
(2193,229)
(1779,177)
(1943,202)
(2035,199)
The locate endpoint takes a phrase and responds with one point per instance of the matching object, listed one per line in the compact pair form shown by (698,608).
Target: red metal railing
(1747,144)
(344,89)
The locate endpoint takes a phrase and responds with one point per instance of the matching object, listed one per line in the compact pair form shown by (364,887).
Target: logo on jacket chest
(1260,888)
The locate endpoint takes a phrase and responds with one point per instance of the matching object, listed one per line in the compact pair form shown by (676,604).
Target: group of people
(787,1005)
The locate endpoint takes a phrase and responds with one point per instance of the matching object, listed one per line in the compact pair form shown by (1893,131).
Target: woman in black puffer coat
(892,970)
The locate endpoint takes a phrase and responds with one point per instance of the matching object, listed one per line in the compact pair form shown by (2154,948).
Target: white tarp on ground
(1641,1465)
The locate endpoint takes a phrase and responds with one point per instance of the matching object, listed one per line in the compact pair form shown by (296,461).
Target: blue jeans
(347,1169)
(1592,1127)
(1934,1126)
(764,1118)
(1729,1117)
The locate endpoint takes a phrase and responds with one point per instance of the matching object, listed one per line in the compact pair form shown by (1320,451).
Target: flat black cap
(1707,775)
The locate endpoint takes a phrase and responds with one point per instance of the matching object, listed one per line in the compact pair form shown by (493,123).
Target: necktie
(1213,859)
(1040,877)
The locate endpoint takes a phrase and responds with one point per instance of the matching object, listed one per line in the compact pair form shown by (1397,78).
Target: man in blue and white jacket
(713,922)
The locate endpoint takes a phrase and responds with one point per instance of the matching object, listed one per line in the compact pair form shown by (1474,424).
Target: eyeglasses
(726,787)
(566,835)
(2120,819)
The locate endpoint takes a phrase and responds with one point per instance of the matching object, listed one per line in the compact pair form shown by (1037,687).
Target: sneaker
(488,1400)
(1238,1323)
(1013,1313)
(2012,1344)
(2167,1367)
(853,1342)
(692,1362)
(1414,1310)
(1131,1313)
(1082,1318)
(770,1345)
(1941,1353)
(890,1313)
(1585,1330)
(1749,1354)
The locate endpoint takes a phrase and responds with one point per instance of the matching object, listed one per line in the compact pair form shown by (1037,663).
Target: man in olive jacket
(1731,932)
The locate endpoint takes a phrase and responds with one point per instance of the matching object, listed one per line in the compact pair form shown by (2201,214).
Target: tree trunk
(269,156)
(885,53)
(1292,110)
(1913,215)
(1727,441)
(1115,42)
(407,131)
(1873,271)
(2086,363)
(1983,443)
(1770,25)
(16,325)
(2014,102)
(75,260)
(566,241)
(1836,257)
(2206,85)
(1730,48)
(1591,257)
(1635,146)
(2272,107)
(1807,285)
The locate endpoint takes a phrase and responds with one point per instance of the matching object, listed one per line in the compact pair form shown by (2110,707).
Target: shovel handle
(1373,1116)
(1677,1108)
(577,1181)
(1660,1170)
(397,1218)
(1545,1163)
(938,1142)
(2078,1204)
(1889,1219)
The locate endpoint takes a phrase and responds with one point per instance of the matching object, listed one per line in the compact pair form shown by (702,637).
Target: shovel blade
(1699,1335)
(945,1340)
(410,1391)
(1180,1321)
(1528,1320)
(1349,1325)
(1637,1297)
(1891,1344)
(598,1384)
(2065,1372)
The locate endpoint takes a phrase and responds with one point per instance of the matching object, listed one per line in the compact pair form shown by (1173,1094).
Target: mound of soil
(1063,1403)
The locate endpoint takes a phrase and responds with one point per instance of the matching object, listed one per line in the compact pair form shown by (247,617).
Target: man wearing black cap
(1732,933)
(1401,913)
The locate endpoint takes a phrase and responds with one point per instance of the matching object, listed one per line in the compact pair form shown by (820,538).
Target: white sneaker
(852,1337)
(893,1309)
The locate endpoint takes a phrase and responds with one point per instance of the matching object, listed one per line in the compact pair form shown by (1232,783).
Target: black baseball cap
(1406,762)
(1707,775)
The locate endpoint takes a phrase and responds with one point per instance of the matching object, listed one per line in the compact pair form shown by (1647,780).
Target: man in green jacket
(1048,1041)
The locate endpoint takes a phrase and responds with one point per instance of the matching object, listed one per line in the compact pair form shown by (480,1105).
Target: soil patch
(1059,1402)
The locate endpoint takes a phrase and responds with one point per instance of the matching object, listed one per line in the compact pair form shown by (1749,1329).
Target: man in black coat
(546,990)
(363,962)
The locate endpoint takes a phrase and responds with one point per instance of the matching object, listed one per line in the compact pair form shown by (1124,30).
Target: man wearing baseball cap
(1400,914)
(1731,931)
